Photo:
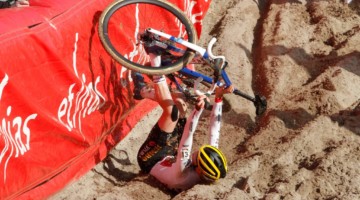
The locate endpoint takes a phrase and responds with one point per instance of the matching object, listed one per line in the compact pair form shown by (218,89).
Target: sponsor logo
(14,133)
(148,151)
(190,11)
(79,103)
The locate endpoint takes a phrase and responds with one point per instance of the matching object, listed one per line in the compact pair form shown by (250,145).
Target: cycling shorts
(158,145)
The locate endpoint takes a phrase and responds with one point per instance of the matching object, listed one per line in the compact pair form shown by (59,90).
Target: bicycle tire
(140,66)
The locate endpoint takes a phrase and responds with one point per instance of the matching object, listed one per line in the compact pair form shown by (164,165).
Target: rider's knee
(174,113)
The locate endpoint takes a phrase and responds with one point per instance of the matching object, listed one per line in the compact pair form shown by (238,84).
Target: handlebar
(211,55)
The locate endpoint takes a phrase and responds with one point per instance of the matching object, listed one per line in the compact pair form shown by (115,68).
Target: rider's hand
(220,91)
(200,102)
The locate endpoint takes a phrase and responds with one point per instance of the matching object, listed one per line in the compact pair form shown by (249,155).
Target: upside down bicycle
(129,29)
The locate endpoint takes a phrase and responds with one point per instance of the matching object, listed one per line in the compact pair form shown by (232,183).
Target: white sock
(156,62)
(158,78)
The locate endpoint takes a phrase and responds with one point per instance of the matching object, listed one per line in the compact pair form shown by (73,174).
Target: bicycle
(171,35)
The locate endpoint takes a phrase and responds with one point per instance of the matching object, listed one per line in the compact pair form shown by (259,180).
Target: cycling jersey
(181,174)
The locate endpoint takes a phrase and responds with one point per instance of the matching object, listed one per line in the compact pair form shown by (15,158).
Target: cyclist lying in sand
(167,152)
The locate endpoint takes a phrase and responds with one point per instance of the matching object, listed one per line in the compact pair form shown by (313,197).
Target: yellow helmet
(211,163)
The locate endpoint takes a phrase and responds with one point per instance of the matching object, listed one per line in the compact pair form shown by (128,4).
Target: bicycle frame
(206,55)
(259,101)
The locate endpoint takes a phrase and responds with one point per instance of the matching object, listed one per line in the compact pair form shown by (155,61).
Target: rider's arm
(216,114)
(184,151)
(215,123)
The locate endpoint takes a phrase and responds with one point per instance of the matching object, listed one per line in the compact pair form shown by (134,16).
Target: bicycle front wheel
(122,23)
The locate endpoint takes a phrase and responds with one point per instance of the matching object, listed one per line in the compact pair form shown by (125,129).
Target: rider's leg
(169,116)
(163,138)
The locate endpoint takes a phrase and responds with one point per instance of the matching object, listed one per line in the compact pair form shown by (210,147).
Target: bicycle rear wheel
(122,23)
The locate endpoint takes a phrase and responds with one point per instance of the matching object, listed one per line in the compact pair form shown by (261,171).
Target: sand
(304,56)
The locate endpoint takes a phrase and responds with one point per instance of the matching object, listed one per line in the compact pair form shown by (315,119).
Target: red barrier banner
(64,102)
